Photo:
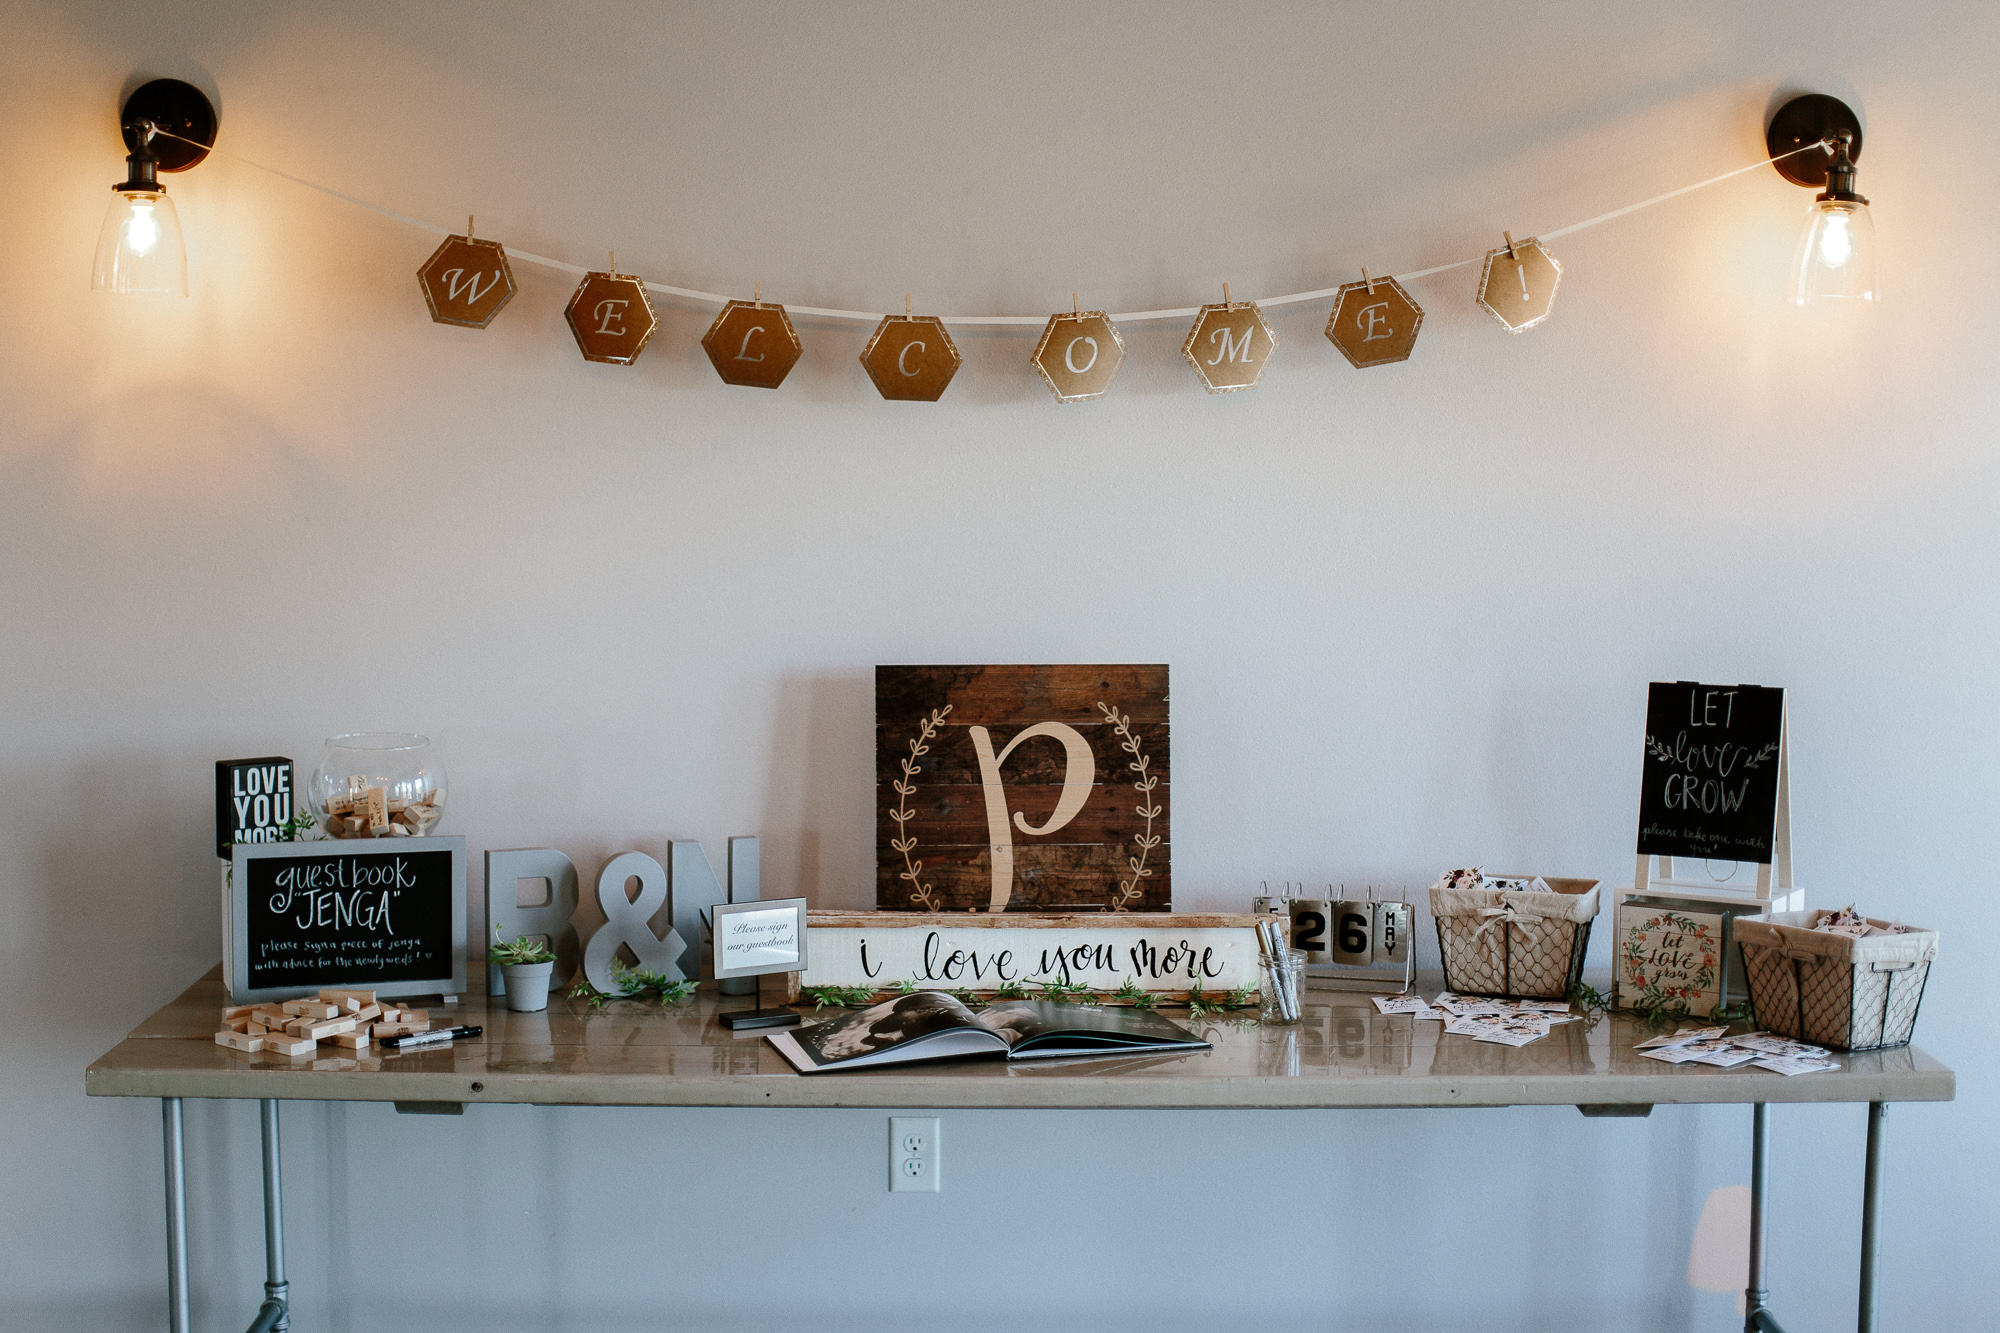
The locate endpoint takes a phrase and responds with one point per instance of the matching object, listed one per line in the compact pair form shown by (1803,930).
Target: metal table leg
(1871,1216)
(1757,1317)
(177,1210)
(275,1315)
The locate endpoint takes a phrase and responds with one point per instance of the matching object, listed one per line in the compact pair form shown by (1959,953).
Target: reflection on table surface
(1342,1052)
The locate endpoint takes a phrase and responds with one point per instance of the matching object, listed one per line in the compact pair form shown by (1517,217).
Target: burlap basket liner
(1834,990)
(1521,945)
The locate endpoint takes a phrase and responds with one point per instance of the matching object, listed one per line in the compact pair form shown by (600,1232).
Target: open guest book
(930,1025)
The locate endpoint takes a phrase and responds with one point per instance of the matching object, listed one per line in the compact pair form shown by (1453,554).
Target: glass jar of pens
(1348,943)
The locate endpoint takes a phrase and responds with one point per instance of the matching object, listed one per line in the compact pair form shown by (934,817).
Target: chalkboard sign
(389,916)
(1711,775)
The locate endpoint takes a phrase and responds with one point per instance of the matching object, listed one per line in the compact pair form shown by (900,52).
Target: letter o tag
(1079,354)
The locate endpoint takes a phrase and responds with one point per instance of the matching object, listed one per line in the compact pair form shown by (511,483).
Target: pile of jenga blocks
(367,812)
(345,1019)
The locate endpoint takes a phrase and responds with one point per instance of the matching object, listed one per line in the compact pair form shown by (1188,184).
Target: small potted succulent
(525,964)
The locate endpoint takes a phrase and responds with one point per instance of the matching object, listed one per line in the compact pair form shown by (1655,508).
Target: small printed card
(1790,1065)
(1404,1004)
(1766,1044)
(1680,1038)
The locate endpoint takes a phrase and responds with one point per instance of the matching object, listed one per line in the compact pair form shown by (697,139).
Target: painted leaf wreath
(1148,809)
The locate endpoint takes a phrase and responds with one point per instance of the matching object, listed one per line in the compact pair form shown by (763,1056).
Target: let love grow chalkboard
(1712,771)
(375,913)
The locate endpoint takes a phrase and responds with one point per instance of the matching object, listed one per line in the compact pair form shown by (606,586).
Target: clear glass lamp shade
(1836,255)
(139,251)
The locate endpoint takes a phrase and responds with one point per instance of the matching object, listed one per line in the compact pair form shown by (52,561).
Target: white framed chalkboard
(375,913)
(1715,781)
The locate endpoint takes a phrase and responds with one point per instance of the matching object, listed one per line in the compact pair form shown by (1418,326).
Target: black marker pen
(441,1036)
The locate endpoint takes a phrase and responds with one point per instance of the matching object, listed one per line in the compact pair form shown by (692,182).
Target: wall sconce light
(139,249)
(1836,255)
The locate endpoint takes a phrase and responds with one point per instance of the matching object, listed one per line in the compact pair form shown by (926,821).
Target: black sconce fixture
(168,126)
(1835,259)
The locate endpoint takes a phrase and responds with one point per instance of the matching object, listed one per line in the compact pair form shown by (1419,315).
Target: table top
(634,1053)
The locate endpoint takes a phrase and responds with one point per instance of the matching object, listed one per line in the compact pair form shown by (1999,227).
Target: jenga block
(297,1027)
(416,1016)
(254,1028)
(341,994)
(271,1016)
(416,1025)
(382,1030)
(235,1011)
(368,1013)
(238,1041)
(312,1009)
(323,1028)
(353,1041)
(236,1024)
(288,1045)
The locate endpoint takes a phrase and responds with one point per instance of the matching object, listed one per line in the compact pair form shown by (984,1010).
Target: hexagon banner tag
(1374,322)
(1079,354)
(466,282)
(752,344)
(1229,345)
(611,317)
(911,357)
(1518,286)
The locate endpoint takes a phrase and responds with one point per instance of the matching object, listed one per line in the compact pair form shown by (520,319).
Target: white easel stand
(1774,892)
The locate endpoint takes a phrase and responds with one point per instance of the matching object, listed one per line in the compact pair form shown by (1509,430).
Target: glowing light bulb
(1835,259)
(142,229)
(139,250)
(1836,245)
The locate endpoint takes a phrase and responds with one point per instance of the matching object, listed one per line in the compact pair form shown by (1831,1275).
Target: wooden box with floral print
(1678,956)
(1021,789)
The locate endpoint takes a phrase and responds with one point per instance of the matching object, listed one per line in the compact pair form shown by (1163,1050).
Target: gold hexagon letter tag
(1518,287)
(911,357)
(1079,353)
(1374,322)
(752,344)
(611,317)
(466,282)
(1229,345)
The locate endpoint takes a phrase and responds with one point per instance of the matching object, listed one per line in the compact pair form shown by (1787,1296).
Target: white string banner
(1033,321)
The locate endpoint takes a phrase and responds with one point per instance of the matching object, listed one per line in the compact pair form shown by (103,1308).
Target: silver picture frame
(722,912)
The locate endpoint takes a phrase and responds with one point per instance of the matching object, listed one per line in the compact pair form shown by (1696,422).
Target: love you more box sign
(1021,788)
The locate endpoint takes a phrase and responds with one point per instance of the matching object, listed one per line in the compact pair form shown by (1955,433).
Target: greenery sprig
(632,983)
(839,997)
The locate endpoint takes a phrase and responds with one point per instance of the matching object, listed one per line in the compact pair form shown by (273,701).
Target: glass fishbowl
(377,784)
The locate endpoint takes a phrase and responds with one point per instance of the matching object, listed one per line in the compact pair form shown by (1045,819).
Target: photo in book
(930,1025)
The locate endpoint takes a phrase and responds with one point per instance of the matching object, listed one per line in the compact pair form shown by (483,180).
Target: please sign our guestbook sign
(388,916)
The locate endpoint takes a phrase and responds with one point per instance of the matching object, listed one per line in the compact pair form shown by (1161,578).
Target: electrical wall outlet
(913,1153)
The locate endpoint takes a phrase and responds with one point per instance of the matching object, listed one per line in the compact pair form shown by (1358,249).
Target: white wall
(1411,612)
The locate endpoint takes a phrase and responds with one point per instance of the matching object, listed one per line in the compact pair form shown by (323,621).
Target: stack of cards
(1708,1046)
(1505,1022)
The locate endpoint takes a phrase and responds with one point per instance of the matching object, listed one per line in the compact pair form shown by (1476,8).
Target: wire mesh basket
(1835,990)
(1523,945)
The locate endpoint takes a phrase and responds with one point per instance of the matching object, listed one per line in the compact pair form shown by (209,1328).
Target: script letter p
(1079,772)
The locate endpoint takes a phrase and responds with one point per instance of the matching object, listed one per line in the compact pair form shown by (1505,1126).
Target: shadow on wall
(818,821)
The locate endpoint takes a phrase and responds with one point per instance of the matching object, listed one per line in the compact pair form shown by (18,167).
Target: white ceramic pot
(527,986)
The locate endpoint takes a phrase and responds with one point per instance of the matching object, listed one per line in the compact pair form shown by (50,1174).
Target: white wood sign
(1168,953)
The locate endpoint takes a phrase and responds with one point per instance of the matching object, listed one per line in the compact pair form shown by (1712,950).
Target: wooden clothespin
(1510,246)
(1225,294)
(757,295)
(906,307)
(614,262)
(1075,304)
(1366,279)
(468,226)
